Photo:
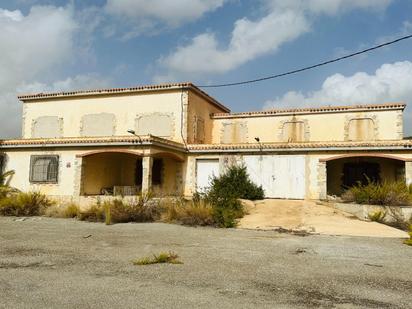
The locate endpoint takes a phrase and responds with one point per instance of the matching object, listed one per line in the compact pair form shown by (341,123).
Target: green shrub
(377,216)
(171,258)
(234,183)
(225,192)
(384,193)
(24,204)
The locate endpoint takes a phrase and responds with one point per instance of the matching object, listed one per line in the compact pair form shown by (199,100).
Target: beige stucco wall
(125,108)
(318,126)
(200,107)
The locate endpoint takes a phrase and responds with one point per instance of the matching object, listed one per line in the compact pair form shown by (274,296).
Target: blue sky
(60,45)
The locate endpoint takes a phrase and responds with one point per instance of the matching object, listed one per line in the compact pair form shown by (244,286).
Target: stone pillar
(322,180)
(78,176)
(147,174)
(408,172)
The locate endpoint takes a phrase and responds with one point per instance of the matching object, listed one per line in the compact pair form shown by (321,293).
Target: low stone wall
(362,211)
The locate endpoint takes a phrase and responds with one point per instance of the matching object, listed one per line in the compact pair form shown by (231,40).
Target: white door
(205,170)
(280,176)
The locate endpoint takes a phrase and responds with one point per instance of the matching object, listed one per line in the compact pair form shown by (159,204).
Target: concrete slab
(314,218)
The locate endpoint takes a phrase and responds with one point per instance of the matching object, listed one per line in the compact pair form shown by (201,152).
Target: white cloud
(389,83)
(33,48)
(144,16)
(285,21)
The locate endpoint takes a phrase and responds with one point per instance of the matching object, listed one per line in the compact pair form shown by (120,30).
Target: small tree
(225,192)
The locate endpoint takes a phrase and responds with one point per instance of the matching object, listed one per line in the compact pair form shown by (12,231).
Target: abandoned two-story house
(172,138)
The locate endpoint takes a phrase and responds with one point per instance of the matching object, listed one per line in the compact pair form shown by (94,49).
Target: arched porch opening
(125,173)
(346,171)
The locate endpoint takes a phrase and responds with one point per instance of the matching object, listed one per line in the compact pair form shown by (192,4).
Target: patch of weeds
(196,212)
(24,204)
(387,193)
(161,258)
(409,241)
(70,210)
(377,216)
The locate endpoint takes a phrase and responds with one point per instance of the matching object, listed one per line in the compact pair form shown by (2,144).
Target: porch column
(78,179)
(147,163)
(322,180)
(408,173)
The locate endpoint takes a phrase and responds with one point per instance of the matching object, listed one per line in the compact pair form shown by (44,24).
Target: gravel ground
(61,263)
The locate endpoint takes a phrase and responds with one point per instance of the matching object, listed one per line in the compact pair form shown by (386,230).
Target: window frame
(34,158)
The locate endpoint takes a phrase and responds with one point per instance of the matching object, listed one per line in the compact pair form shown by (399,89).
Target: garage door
(205,170)
(280,176)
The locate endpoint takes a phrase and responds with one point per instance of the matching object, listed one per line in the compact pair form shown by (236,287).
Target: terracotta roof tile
(149,139)
(322,109)
(303,145)
(143,88)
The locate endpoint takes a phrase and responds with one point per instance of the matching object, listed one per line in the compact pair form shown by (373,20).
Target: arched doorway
(346,171)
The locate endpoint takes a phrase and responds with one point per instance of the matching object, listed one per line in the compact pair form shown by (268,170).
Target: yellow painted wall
(126,109)
(320,126)
(199,107)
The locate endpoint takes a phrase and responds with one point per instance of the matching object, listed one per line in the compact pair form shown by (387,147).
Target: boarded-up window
(293,131)
(154,124)
(200,131)
(234,133)
(98,125)
(46,127)
(362,129)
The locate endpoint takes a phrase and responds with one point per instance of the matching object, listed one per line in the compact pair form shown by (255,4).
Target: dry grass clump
(377,216)
(24,204)
(385,193)
(409,241)
(70,210)
(140,209)
(161,258)
(188,212)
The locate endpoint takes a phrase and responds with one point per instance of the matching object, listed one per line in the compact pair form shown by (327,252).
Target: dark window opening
(44,169)
(139,173)
(2,161)
(157,171)
(361,172)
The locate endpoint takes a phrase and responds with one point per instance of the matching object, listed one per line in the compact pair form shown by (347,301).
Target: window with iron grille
(44,169)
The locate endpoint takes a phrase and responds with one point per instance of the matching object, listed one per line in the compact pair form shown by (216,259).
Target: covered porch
(338,173)
(118,172)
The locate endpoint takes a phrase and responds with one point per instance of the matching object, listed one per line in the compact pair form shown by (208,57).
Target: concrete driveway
(62,263)
(312,217)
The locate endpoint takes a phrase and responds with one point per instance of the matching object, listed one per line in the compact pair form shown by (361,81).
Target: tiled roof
(300,146)
(145,88)
(70,141)
(324,109)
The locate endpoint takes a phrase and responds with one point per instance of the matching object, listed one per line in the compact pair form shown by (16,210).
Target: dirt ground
(312,217)
(63,263)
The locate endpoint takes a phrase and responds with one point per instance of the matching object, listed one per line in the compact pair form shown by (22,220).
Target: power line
(308,67)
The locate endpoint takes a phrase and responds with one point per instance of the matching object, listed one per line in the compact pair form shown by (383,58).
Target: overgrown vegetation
(409,241)
(5,188)
(384,193)
(70,210)
(142,208)
(24,204)
(219,206)
(188,212)
(225,192)
(161,258)
(377,216)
